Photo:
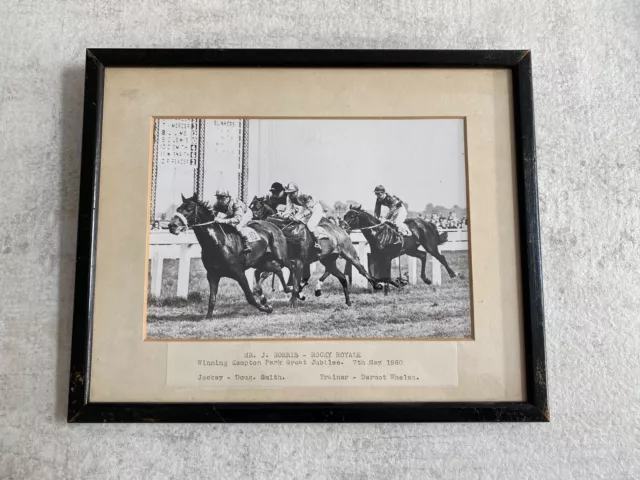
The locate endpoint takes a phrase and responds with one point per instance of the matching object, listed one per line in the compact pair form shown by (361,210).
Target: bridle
(184,220)
(262,205)
(370,227)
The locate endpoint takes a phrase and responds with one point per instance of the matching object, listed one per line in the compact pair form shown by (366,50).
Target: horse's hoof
(268,309)
(318,293)
(377,286)
(302,297)
(427,281)
(348,302)
(263,300)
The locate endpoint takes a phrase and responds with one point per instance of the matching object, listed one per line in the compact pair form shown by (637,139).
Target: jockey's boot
(398,236)
(316,244)
(245,245)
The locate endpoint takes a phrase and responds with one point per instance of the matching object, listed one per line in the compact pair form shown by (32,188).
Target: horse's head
(260,208)
(357,218)
(256,203)
(184,216)
(344,225)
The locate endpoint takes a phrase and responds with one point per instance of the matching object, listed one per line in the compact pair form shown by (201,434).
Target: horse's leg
(305,275)
(324,276)
(324,258)
(259,276)
(262,276)
(296,272)
(394,283)
(303,278)
(438,256)
(286,286)
(275,267)
(348,271)
(330,264)
(214,281)
(352,258)
(423,259)
(280,275)
(244,284)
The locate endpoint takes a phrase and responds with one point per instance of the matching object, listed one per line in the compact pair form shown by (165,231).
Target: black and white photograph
(308,228)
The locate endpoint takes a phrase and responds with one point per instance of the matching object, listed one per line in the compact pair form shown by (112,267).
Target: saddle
(404,231)
(250,233)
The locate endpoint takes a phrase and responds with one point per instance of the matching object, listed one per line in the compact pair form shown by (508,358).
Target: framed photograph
(308,236)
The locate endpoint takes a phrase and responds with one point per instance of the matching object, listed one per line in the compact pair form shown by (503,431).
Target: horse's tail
(444,236)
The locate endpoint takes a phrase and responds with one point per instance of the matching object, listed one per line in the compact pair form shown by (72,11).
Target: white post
(184,267)
(413,270)
(436,271)
(358,279)
(249,274)
(157,262)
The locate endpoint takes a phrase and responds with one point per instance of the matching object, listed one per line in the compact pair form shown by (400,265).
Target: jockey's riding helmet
(276,187)
(221,192)
(291,188)
(379,189)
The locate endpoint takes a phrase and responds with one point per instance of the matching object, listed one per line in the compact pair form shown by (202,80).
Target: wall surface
(587,99)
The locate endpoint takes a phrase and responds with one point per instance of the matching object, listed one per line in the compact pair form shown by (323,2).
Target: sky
(421,161)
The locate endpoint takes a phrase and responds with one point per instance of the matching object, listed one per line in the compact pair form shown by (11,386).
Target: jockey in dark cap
(277,197)
(397,209)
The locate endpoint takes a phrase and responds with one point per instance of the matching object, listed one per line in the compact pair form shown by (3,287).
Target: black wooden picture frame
(534,409)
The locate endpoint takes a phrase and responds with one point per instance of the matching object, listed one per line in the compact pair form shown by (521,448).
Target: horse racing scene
(308,228)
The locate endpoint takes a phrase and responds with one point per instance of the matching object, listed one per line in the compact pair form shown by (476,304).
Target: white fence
(163,245)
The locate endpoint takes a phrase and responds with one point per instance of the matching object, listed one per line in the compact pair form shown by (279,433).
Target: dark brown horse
(262,210)
(387,243)
(337,244)
(222,250)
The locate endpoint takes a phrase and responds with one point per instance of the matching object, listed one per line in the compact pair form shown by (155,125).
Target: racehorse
(383,236)
(222,250)
(302,253)
(262,211)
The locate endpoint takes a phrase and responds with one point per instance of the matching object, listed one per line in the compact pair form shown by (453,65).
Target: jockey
(303,207)
(233,212)
(278,196)
(397,209)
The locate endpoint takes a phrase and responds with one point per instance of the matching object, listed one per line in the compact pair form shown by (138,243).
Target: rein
(372,226)
(186,223)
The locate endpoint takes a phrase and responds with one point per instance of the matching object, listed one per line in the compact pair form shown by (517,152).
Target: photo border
(534,409)
(245,168)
